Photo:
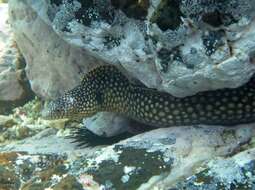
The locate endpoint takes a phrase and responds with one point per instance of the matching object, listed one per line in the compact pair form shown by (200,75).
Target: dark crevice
(168,15)
(137,9)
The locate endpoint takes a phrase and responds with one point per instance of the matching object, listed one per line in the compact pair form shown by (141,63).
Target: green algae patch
(56,170)
(8,179)
(6,121)
(134,167)
(35,186)
(32,109)
(69,182)
(252,143)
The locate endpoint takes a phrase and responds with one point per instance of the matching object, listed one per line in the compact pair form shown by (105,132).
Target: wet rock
(58,124)
(8,158)
(177,47)
(132,8)
(35,171)
(205,46)
(10,87)
(69,182)
(38,171)
(180,47)
(34,186)
(107,124)
(64,63)
(6,121)
(8,179)
(236,172)
(23,123)
(23,132)
(134,167)
(14,87)
(161,156)
(160,159)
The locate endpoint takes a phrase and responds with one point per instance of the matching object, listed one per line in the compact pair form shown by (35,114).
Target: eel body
(107,89)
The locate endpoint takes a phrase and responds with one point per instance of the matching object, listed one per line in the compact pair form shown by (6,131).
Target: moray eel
(107,89)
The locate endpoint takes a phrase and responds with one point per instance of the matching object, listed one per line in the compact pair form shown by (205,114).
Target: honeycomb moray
(107,89)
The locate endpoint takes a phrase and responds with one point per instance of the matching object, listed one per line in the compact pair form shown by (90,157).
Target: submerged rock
(62,62)
(181,47)
(14,87)
(236,172)
(159,159)
(107,124)
(162,156)
(6,121)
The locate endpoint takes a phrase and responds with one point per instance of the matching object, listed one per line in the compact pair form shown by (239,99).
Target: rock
(180,47)
(169,153)
(14,87)
(30,111)
(11,90)
(160,159)
(204,46)
(43,167)
(63,70)
(236,172)
(23,132)
(6,121)
(8,179)
(58,124)
(69,182)
(23,123)
(107,124)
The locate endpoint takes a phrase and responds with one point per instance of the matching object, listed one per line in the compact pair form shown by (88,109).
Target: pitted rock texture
(181,47)
(236,172)
(160,159)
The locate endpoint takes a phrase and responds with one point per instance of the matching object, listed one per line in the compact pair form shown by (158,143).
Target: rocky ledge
(36,154)
(180,47)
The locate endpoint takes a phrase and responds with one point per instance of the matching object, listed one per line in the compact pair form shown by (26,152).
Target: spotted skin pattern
(107,89)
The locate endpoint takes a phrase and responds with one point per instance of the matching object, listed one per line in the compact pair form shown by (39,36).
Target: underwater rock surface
(177,157)
(181,47)
(14,88)
(107,124)
(236,172)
